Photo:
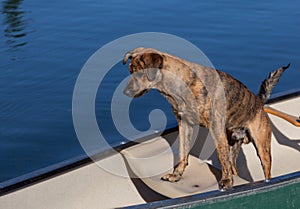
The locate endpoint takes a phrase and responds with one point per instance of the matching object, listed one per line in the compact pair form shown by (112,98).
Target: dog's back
(242,104)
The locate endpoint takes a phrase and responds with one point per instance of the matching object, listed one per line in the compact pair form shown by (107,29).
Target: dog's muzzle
(128,92)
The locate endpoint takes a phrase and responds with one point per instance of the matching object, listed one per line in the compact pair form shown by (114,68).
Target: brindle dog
(191,89)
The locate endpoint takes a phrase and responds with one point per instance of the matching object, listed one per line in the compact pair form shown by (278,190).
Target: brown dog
(210,98)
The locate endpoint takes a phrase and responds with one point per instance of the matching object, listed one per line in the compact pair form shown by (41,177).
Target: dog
(210,98)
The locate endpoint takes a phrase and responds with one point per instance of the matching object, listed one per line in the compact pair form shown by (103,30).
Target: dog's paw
(171,177)
(225,184)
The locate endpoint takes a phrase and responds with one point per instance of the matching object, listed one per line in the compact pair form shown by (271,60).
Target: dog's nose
(127,92)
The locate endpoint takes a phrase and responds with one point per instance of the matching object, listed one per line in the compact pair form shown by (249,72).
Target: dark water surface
(44,45)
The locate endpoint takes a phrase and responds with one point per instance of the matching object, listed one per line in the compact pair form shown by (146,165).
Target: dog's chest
(185,109)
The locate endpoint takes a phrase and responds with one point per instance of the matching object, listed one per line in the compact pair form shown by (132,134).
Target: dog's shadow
(244,171)
(284,140)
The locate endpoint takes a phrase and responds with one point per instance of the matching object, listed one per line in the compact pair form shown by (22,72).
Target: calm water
(44,45)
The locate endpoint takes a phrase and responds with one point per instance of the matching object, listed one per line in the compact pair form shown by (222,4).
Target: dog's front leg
(185,137)
(223,150)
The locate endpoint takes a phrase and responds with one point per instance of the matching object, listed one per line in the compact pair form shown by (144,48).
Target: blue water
(44,45)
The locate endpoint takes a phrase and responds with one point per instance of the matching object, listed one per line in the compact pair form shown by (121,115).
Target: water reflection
(14,23)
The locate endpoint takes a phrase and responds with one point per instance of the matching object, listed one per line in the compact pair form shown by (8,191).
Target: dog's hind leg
(233,154)
(260,131)
(185,137)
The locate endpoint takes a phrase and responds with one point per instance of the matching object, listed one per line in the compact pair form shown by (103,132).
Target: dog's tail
(269,83)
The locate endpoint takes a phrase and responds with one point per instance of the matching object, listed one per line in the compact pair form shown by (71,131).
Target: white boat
(81,183)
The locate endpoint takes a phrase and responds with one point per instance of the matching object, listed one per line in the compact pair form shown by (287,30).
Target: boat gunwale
(69,165)
(217,195)
(283,95)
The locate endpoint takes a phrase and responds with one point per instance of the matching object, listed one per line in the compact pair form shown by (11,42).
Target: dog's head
(145,66)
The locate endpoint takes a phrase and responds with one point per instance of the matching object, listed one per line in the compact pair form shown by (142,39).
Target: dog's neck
(179,95)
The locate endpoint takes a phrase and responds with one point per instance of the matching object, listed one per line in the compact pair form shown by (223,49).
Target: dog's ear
(152,63)
(152,60)
(151,73)
(131,53)
(127,56)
